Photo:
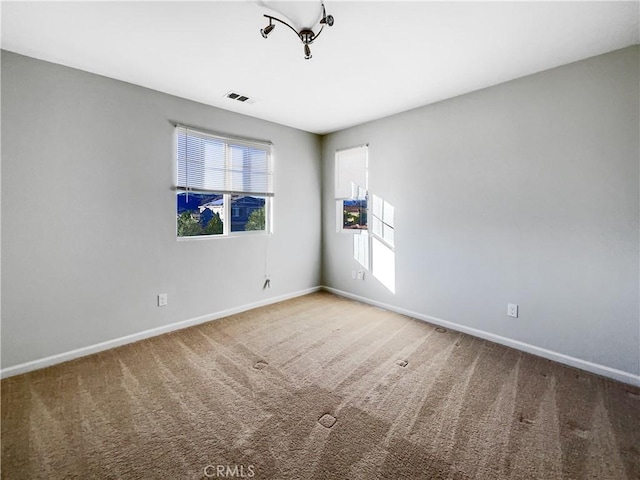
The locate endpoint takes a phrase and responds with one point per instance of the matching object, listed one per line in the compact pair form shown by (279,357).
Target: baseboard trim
(596,368)
(117,342)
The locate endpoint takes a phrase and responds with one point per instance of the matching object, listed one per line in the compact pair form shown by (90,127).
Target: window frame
(226,225)
(341,199)
(229,142)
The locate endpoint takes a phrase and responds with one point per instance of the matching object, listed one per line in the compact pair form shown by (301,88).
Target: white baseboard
(598,369)
(116,342)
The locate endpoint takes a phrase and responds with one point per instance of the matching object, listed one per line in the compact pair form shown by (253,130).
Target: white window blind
(210,163)
(351,173)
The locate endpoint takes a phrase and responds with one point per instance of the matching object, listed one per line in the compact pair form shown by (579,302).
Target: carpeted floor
(318,387)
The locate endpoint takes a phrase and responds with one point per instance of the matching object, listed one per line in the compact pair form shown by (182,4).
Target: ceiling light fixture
(267,30)
(306,35)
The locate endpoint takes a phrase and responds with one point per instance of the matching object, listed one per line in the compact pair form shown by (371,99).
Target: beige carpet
(316,388)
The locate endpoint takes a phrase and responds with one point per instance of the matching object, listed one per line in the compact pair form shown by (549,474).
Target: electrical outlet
(360,274)
(162,299)
(512,310)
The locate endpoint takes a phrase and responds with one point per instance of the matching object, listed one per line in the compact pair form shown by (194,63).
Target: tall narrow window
(352,199)
(224,185)
(351,189)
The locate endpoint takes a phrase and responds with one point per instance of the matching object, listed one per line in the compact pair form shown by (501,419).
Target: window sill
(212,237)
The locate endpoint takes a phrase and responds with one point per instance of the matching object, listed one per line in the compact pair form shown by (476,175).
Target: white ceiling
(378,59)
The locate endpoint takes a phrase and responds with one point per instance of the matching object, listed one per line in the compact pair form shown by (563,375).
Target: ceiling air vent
(239,97)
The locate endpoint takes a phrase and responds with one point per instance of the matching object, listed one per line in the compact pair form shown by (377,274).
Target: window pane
(351,168)
(247,213)
(200,161)
(199,214)
(354,214)
(210,163)
(238,160)
(249,170)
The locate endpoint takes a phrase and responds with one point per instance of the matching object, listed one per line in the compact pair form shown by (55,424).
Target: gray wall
(88,214)
(527,193)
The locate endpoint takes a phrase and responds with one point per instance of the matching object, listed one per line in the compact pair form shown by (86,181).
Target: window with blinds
(224,185)
(351,188)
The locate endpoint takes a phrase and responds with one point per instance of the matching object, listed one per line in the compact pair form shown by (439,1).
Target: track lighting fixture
(306,35)
(267,30)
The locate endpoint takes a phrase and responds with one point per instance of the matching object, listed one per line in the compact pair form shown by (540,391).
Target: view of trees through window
(354,214)
(205,213)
